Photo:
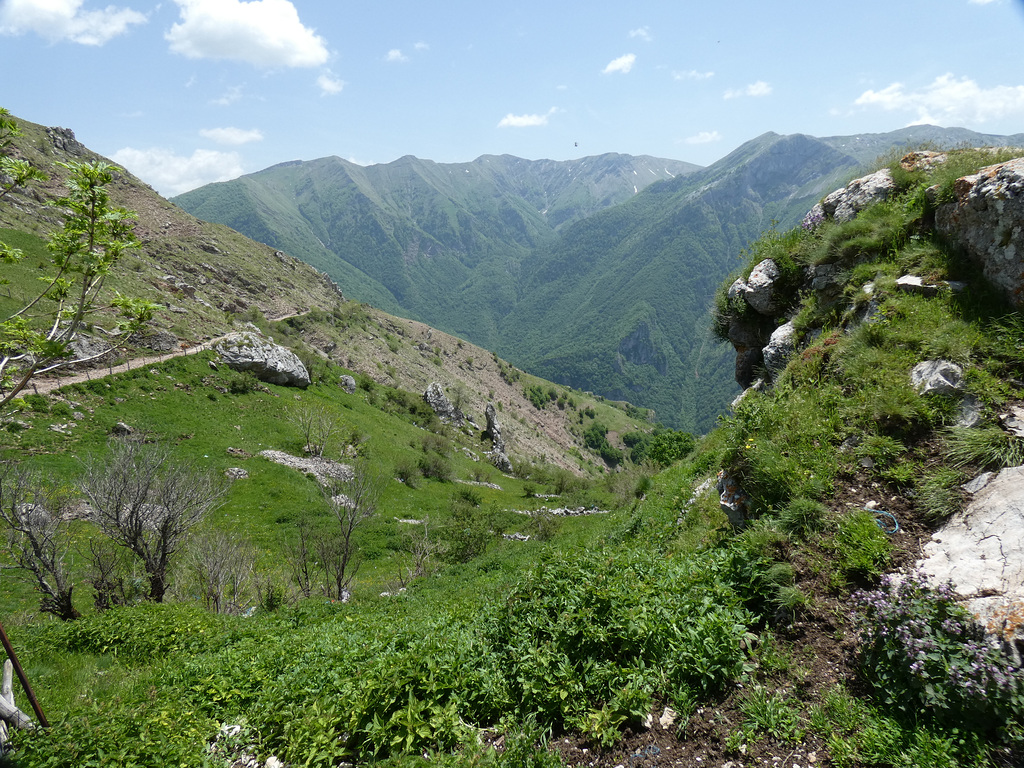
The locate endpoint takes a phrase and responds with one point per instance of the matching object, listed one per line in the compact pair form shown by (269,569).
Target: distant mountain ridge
(575,270)
(405,234)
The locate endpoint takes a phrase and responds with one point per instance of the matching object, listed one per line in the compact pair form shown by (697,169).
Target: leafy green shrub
(585,639)
(436,466)
(670,446)
(922,653)
(536,395)
(37,403)
(408,472)
(140,632)
(240,382)
(61,410)
(467,532)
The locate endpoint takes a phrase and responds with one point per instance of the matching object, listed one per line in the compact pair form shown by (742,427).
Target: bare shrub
(36,518)
(147,501)
(222,570)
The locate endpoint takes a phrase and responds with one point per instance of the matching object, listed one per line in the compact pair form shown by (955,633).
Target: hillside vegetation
(657,633)
(597,273)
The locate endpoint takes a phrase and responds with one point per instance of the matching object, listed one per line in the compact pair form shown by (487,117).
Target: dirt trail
(48,384)
(45,384)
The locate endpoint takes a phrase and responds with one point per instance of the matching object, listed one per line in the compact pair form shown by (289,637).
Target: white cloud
(760,88)
(421,47)
(981,2)
(396,55)
(172,174)
(233,94)
(233,136)
(329,84)
(264,33)
(622,64)
(644,33)
(692,74)
(704,137)
(525,121)
(948,101)
(65,20)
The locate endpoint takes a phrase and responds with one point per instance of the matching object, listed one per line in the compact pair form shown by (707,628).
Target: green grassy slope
(531,652)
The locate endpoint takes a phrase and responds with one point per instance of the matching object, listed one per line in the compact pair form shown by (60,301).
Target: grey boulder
(270,362)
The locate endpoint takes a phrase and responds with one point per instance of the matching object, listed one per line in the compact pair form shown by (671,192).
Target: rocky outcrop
(981,551)
(442,406)
(497,454)
(324,470)
(270,362)
(758,290)
(347,383)
(780,347)
(845,203)
(987,220)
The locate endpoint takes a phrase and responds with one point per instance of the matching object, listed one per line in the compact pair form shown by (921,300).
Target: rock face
(272,363)
(780,347)
(497,453)
(981,550)
(987,220)
(443,407)
(760,287)
(845,203)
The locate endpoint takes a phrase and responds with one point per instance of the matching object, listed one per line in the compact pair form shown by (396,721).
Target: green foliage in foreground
(588,641)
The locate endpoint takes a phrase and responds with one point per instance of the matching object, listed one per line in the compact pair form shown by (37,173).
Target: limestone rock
(987,220)
(969,414)
(347,383)
(924,160)
(939,376)
(1013,422)
(780,348)
(272,363)
(760,292)
(914,284)
(981,550)
(442,406)
(845,203)
(497,453)
(324,470)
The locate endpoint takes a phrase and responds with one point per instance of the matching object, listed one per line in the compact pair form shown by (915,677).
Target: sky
(187,92)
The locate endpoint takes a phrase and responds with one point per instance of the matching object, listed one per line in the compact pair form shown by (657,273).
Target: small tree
(36,518)
(318,427)
(223,570)
(351,503)
(95,235)
(146,501)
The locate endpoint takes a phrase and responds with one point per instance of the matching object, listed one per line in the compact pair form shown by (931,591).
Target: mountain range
(597,273)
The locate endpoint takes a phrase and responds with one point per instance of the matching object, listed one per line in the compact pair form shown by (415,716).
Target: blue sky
(185,92)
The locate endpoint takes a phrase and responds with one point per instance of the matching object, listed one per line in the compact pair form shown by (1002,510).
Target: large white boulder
(272,363)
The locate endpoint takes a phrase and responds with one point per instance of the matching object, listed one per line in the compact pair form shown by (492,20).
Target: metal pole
(22,679)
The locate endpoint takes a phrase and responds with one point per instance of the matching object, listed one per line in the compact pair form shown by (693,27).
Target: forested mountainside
(573,270)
